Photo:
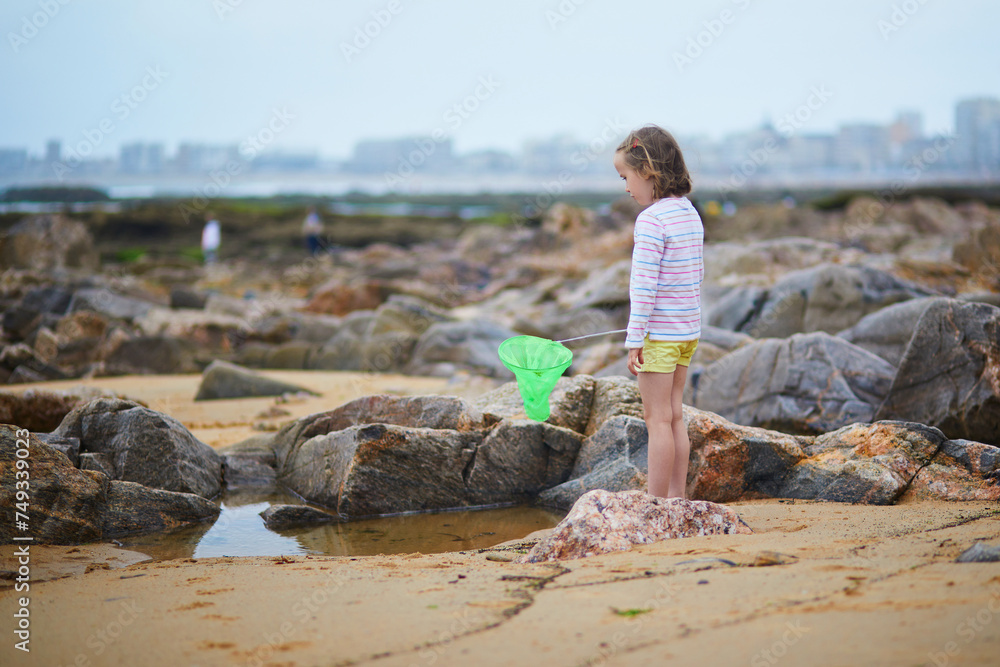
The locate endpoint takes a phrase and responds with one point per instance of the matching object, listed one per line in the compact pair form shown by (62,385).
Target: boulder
(48,242)
(250,463)
(961,470)
(613,395)
(828,298)
(277,517)
(37,305)
(731,462)
(66,505)
(863,463)
(133,508)
(71,506)
(145,446)
(614,458)
(887,332)
(806,384)
(949,376)
(604,522)
(225,380)
(519,458)
(157,355)
(108,303)
(570,402)
(616,475)
(187,298)
(336,298)
(447,347)
(381,469)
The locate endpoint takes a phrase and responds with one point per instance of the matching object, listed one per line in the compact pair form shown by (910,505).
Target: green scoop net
(537,363)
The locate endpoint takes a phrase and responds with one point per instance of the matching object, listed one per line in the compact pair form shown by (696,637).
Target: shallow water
(240,531)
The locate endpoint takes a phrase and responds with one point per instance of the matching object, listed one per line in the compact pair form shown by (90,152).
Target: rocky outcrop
(604,522)
(828,298)
(447,347)
(225,380)
(48,242)
(70,506)
(144,446)
(570,402)
(887,332)
(949,376)
(807,384)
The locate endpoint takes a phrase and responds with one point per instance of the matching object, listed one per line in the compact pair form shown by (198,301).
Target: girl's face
(641,188)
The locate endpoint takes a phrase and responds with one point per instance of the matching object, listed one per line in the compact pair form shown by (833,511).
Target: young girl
(665,296)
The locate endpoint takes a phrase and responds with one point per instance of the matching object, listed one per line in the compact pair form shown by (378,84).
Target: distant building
(140,158)
(862,148)
(53,151)
(13,160)
(375,156)
(977,140)
(201,158)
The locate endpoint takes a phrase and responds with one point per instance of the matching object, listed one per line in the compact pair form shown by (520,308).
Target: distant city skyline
(487,75)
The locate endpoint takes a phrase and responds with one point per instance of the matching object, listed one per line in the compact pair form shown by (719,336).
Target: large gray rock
(809,383)
(48,242)
(518,459)
(277,517)
(225,380)
(949,376)
(615,458)
(887,332)
(381,469)
(110,304)
(145,446)
(152,355)
(613,395)
(71,506)
(448,347)
(829,298)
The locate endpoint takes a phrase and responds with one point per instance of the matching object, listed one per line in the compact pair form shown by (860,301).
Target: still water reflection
(240,531)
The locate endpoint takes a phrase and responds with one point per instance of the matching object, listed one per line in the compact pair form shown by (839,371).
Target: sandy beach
(854,586)
(817,583)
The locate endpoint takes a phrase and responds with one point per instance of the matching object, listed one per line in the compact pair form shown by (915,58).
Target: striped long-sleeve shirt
(667,270)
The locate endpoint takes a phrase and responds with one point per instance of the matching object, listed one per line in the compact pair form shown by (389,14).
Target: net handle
(594,335)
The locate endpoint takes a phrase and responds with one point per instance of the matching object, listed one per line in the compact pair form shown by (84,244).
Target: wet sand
(859,586)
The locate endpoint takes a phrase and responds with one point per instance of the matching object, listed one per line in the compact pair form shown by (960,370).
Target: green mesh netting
(537,363)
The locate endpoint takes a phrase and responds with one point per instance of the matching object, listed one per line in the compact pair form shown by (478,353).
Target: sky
(321,75)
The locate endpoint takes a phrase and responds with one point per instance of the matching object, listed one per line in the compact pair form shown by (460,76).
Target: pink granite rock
(602,522)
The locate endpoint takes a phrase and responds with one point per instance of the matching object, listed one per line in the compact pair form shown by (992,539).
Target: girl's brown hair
(653,153)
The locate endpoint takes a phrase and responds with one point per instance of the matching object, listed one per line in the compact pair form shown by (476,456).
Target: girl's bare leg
(657,405)
(682,445)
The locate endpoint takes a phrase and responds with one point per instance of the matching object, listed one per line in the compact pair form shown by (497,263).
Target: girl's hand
(635,360)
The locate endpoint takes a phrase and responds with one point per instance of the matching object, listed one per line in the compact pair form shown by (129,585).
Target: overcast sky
(217,71)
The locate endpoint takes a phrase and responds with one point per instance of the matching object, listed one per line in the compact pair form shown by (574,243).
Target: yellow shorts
(664,356)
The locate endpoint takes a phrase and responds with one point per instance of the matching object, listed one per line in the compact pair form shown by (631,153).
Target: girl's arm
(643,282)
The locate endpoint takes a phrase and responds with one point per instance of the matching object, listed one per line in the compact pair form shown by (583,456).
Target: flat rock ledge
(603,522)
